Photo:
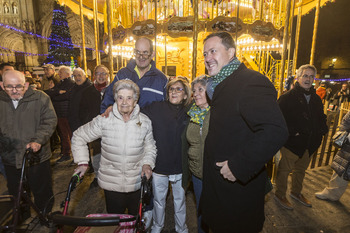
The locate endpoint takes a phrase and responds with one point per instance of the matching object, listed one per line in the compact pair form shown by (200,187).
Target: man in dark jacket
(81,84)
(144,73)
(27,120)
(246,129)
(303,110)
(60,100)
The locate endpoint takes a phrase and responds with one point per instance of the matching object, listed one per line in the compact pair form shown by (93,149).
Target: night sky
(333,38)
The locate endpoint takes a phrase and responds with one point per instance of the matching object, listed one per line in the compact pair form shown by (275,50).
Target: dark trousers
(65,135)
(117,202)
(38,180)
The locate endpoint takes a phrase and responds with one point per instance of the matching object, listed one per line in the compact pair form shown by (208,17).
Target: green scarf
(197,114)
(226,71)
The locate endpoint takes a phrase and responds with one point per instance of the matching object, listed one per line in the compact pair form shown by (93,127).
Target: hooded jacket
(152,85)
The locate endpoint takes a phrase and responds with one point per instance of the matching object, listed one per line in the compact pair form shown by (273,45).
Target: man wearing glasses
(303,111)
(144,73)
(27,120)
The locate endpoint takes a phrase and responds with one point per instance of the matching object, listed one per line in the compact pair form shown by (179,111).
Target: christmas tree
(61,46)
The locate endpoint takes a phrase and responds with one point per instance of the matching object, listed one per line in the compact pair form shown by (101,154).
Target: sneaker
(323,196)
(147,218)
(300,198)
(63,158)
(283,201)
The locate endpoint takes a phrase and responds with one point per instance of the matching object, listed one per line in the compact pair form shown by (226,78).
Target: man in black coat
(60,99)
(303,110)
(75,95)
(246,129)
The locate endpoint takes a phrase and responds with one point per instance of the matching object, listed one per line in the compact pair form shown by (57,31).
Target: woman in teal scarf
(196,133)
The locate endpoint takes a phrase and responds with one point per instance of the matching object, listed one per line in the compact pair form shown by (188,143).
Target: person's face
(101,75)
(344,87)
(306,79)
(14,86)
(6,68)
(177,93)
(216,55)
(27,73)
(63,74)
(79,77)
(49,72)
(199,95)
(143,55)
(125,101)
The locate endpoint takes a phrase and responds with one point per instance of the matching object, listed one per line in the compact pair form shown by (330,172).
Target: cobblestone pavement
(324,216)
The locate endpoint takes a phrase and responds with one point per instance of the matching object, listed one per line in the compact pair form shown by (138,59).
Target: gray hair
(202,80)
(305,67)
(129,85)
(80,70)
(66,69)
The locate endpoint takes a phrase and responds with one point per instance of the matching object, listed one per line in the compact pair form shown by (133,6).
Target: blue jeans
(197,187)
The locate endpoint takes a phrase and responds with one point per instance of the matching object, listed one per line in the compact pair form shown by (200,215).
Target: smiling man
(303,110)
(246,129)
(144,73)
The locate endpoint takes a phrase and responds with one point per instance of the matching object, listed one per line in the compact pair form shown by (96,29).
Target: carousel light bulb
(131,38)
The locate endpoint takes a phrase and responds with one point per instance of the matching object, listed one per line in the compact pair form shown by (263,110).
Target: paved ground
(324,216)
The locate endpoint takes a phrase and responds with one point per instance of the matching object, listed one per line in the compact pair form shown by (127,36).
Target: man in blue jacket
(144,73)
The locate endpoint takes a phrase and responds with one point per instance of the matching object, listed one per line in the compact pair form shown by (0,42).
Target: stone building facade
(35,16)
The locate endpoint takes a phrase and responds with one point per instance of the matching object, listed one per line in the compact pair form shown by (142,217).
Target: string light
(25,53)
(333,80)
(40,36)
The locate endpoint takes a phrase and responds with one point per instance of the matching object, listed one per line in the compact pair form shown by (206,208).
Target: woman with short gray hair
(128,149)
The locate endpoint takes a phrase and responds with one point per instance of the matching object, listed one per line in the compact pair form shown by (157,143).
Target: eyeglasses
(10,88)
(176,89)
(144,54)
(308,76)
(100,74)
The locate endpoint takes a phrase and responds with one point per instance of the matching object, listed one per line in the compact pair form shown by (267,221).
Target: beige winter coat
(126,147)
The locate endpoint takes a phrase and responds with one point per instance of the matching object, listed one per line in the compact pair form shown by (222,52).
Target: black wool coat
(246,128)
(306,121)
(74,104)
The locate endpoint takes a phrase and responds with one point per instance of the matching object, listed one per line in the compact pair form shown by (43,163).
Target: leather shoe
(283,201)
(300,198)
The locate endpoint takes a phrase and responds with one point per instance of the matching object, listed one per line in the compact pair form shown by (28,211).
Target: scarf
(100,87)
(197,114)
(226,71)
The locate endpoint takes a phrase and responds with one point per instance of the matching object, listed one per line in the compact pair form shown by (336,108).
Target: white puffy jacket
(126,147)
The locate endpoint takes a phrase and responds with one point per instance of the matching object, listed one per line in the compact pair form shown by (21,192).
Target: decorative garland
(40,36)
(25,53)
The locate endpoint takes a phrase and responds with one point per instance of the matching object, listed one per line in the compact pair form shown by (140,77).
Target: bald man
(27,120)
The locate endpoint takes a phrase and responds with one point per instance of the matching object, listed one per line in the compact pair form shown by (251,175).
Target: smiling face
(125,101)
(306,79)
(177,93)
(79,77)
(216,55)
(199,95)
(14,84)
(143,54)
(101,75)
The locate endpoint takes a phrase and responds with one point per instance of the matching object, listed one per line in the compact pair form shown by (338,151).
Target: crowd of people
(218,132)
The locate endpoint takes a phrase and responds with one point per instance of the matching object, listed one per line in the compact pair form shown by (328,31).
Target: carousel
(261,28)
